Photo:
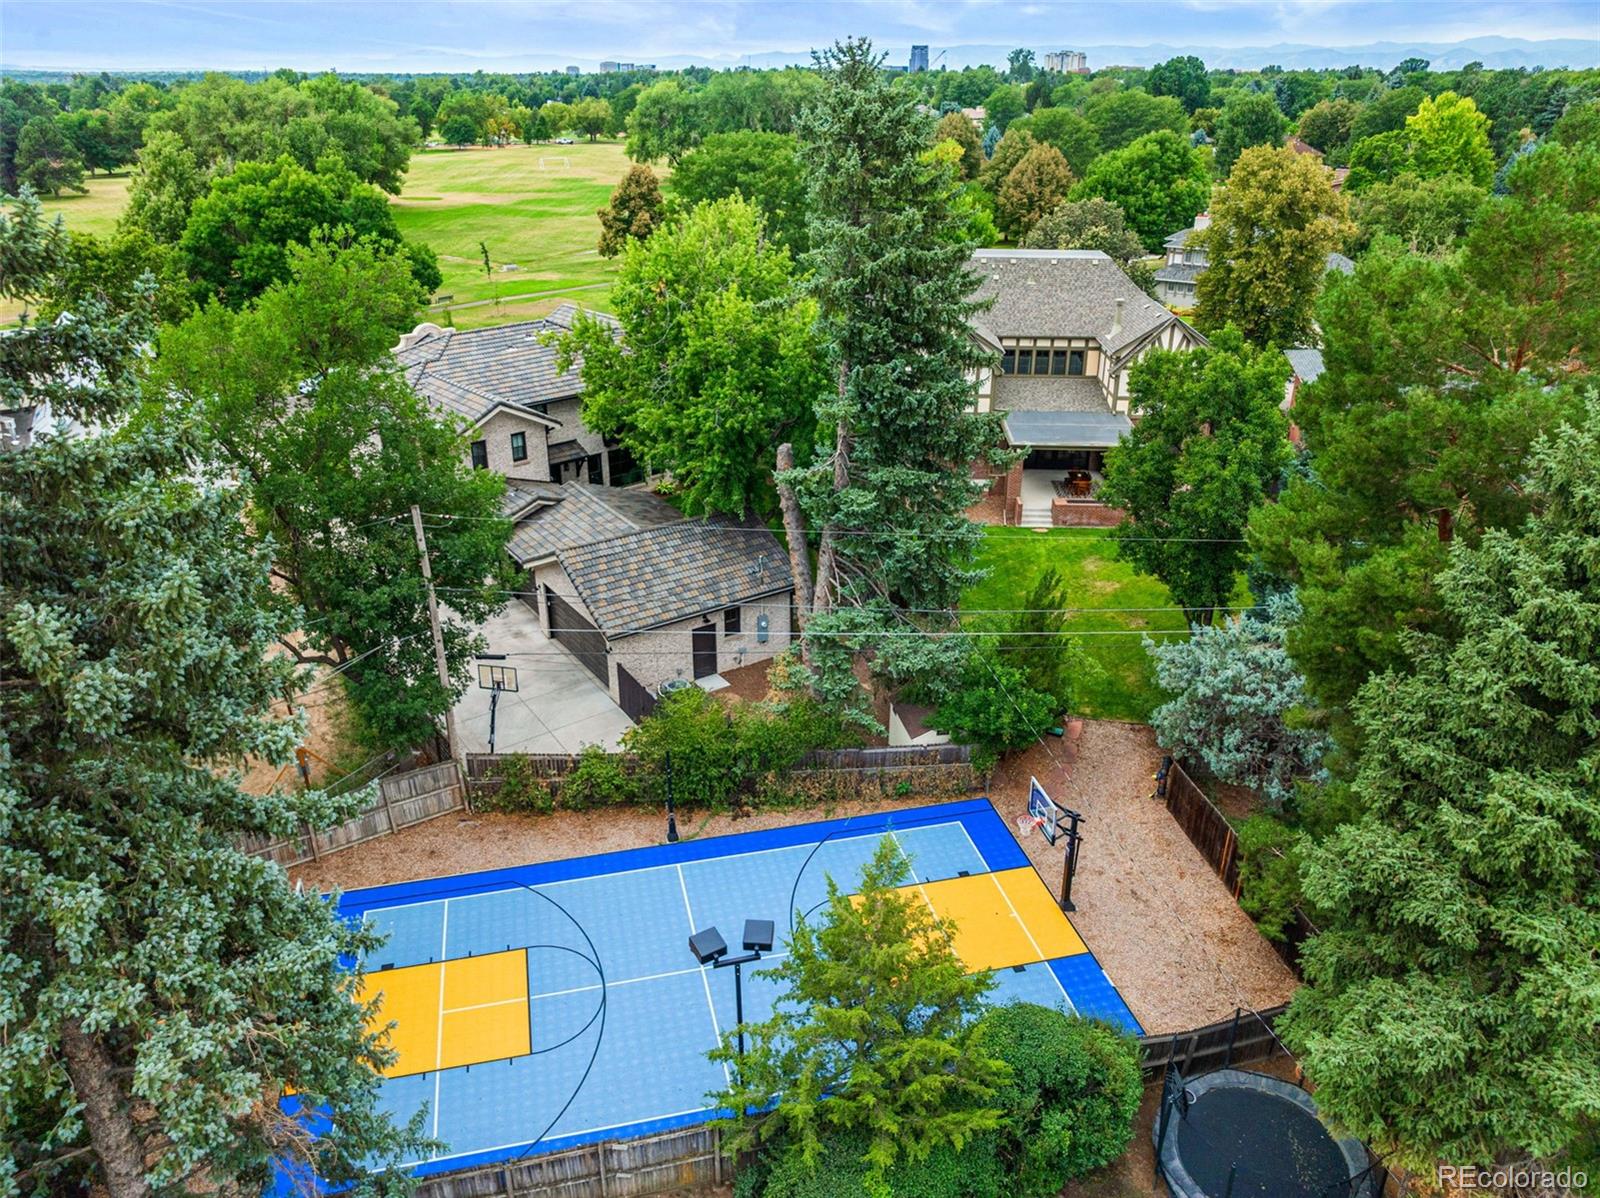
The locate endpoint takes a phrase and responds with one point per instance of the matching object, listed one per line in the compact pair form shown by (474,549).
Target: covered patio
(1066,455)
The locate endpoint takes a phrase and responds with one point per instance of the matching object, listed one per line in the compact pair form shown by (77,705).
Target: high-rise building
(919,58)
(1074,62)
(574,71)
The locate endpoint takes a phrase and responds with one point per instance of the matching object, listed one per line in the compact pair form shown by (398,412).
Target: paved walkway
(558,706)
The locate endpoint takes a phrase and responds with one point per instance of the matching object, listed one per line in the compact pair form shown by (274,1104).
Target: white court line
(649,977)
(478,1006)
(645,869)
(438,1044)
(716,1028)
(1065,997)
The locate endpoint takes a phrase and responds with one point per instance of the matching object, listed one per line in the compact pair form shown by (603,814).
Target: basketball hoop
(1026,824)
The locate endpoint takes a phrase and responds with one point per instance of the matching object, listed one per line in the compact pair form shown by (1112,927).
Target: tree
(46,160)
(1040,182)
(1072,1099)
(663,123)
(1440,374)
(1019,66)
(1326,125)
(1011,149)
(1234,688)
(1247,119)
(634,211)
(94,138)
(1183,78)
(954,127)
(1093,225)
(762,167)
(717,362)
(1449,136)
(592,117)
(1210,444)
(459,130)
(1427,216)
(165,186)
(1160,182)
(1378,159)
(1450,1007)
(1121,118)
(1004,105)
(237,240)
(1272,228)
(888,495)
(1068,132)
(165,989)
(991,706)
(874,1034)
(1385,113)
(300,396)
(558,116)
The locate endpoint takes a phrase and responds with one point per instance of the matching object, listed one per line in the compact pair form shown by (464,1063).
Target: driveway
(558,706)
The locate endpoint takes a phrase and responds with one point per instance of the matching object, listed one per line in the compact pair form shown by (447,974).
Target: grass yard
(540,220)
(94,212)
(1124,686)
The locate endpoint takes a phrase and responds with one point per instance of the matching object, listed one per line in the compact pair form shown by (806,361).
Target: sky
(502,35)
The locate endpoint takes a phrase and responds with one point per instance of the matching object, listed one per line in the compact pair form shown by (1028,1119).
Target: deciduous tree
(1094,224)
(1183,78)
(1011,149)
(1427,216)
(634,211)
(46,160)
(1068,132)
(762,167)
(165,186)
(1272,228)
(1034,188)
(954,127)
(1247,119)
(1160,182)
(662,123)
(1121,118)
(1449,136)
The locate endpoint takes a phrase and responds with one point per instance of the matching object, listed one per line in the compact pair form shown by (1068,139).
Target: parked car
(563,141)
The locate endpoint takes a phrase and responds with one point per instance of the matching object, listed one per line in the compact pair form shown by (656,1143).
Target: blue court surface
(552,1005)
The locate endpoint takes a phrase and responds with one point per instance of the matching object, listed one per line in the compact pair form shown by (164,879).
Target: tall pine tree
(889,490)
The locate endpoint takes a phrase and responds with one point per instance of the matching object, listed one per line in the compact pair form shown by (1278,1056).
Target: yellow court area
(457,1012)
(1002,919)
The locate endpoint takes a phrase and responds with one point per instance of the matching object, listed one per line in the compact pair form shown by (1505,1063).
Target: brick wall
(1075,513)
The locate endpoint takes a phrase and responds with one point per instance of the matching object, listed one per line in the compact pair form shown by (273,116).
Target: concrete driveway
(558,707)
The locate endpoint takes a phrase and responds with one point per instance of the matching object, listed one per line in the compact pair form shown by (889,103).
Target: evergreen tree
(163,990)
(1453,994)
(634,211)
(889,493)
(874,1033)
(955,127)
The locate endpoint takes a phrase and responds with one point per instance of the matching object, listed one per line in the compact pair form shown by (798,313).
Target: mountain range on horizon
(1495,53)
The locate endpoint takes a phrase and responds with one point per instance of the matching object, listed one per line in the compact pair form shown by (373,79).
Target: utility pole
(438,643)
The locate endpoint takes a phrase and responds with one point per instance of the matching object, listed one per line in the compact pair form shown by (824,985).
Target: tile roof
(661,575)
(468,372)
(521,495)
(1063,293)
(578,514)
(1048,393)
(1306,362)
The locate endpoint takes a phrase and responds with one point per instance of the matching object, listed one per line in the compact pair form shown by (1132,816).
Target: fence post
(716,1156)
(600,1163)
(1233,1032)
(311,839)
(388,811)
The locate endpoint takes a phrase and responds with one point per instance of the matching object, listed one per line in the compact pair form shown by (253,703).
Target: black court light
(709,948)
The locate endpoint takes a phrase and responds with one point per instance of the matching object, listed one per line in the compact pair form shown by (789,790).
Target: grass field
(97,211)
(1123,686)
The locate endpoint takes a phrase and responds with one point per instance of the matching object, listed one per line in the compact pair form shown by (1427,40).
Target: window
(480,455)
(596,472)
(730,621)
(519,447)
(1058,361)
(1008,362)
(1075,361)
(1024,361)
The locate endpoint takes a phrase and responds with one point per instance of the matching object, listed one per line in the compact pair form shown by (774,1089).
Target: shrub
(600,780)
(691,730)
(841,1171)
(1072,1099)
(520,790)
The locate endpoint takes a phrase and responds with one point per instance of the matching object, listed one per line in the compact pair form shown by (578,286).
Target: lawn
(1124,685)
(94,212)
(542,221)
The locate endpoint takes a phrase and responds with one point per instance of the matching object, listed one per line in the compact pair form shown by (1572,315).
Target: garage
(579,637)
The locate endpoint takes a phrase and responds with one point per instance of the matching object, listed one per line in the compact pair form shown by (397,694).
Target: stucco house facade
(518,411)
(1065,328)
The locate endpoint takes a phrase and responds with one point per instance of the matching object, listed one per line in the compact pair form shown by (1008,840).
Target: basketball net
(1027,823)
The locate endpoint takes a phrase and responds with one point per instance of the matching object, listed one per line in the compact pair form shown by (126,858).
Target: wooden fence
(1210,832)
(400,800)
(1247,1036)
(663,1164)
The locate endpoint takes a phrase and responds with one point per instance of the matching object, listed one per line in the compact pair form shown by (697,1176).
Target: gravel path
(1159,920)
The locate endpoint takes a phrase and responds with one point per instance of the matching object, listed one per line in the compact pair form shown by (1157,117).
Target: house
(1178,279)
(1305,365)
(643,597)
(979,117)
(1302,147)
(1065,327)
(518,411)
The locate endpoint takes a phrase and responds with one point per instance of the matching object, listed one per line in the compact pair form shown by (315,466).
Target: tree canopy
(1160,182)
(1247,119)
(1034,188)
(762,167)
(633,213)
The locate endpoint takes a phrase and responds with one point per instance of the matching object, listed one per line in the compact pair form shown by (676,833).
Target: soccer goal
(563,162)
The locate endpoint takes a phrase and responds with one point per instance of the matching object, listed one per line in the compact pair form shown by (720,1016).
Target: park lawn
(94,212)
(1123,686)
(540,220)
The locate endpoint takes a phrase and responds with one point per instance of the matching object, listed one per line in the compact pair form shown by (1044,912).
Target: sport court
(552,1005)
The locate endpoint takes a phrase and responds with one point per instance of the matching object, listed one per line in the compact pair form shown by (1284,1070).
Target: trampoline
(1235,1134)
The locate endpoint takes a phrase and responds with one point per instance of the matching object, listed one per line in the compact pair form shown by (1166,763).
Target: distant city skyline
(465,35)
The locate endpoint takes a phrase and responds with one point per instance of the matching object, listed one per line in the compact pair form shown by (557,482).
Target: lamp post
(672,813)
(709,948)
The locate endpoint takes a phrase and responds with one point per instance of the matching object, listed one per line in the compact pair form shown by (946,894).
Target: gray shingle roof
(660,575)
(1180,272)
(579,514)
(1305,361)
(1178,240)
(1063,293)
(1342,264)
(1048,393)
(467,372)
(1067,430)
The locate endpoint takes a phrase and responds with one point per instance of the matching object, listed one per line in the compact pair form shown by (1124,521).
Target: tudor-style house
(519,413)
(1066,327)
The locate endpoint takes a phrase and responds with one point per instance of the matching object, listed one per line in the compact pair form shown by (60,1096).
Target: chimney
(1116,321)
(1203,220)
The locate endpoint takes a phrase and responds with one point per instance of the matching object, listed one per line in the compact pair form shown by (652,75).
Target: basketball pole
(1069,862)
(672,815)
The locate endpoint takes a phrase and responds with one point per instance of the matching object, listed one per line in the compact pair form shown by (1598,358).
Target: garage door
(579,637)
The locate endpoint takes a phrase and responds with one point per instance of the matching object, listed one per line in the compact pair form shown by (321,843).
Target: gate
(579,637)
(633,698)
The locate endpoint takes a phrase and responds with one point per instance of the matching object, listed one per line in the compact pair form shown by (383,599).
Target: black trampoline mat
(1274,1148)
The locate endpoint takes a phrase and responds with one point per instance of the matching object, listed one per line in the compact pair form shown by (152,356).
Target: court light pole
(709,948)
